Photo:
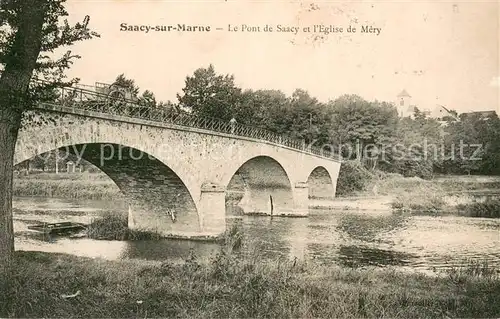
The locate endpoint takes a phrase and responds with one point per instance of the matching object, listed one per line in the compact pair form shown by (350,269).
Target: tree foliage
(146,99)
(369,132)
(18,46)
(209,94)
(472,145)
(127,84)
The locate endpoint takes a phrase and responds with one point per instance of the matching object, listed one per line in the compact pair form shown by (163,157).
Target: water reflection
(368,228)
(358,256)
(266,236)
(352,238)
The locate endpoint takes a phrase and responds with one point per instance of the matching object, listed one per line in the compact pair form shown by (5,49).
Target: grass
(472,269)
(467,183)
(84,176)
(395,183)
(388,184)
(244,286)
(421,201)
(80,186)
(416,195)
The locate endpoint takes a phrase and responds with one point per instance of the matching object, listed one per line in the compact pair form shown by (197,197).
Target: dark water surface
(351,235)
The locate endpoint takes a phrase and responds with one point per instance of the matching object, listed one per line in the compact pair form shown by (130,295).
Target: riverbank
(76,185)
(442,196)
(446,196)
(59,285)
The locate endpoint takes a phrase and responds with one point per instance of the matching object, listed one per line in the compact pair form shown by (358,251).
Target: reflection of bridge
(163,160)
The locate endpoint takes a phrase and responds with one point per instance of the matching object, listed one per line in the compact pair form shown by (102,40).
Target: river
(355,233)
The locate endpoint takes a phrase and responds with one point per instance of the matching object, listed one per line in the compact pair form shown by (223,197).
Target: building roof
(480,113)
(443,107)
(404,94)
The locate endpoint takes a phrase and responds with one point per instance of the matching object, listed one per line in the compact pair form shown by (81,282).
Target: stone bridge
(175,177)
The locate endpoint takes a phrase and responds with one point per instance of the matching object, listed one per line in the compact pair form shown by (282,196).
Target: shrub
(115,227)
(353,177)
(487,209)
(109,227)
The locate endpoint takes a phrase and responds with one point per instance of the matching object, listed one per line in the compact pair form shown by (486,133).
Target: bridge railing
(85,98)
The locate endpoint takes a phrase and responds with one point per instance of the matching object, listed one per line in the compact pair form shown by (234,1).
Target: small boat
(55,228)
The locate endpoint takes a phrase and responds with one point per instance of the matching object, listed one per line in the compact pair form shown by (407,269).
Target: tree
(300,116)
(263,108)
(415,147)
(128,84)
(304,114)
(489,132)
(251,109)
(472,145)
(361,126)
(148,99)
(30,31)
(208,94)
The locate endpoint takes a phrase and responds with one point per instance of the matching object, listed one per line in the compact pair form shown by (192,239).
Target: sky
(444,52)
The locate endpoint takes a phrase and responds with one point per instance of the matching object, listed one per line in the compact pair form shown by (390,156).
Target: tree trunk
(8,137)
(20,61)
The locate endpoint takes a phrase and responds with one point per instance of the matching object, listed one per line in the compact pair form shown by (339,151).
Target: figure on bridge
(233,123)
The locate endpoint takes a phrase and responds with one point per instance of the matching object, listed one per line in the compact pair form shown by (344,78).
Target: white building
(404,105)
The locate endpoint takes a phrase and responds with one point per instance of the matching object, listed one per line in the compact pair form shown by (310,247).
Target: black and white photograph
(249,159)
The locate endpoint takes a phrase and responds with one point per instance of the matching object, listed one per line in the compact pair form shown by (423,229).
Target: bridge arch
(320,184)
(264,184)
(156,195)
(59,131)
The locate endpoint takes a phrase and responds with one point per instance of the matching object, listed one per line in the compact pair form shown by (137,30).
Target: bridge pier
(211,221)
(256,202)
(162,220)
(301,199)
(276,201)
(212,210)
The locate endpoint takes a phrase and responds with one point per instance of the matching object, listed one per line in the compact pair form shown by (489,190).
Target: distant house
(441,113)
(485,115)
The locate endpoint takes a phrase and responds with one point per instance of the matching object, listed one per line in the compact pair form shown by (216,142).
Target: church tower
(403,104)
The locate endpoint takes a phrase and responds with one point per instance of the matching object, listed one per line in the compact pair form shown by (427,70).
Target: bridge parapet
(81,97)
